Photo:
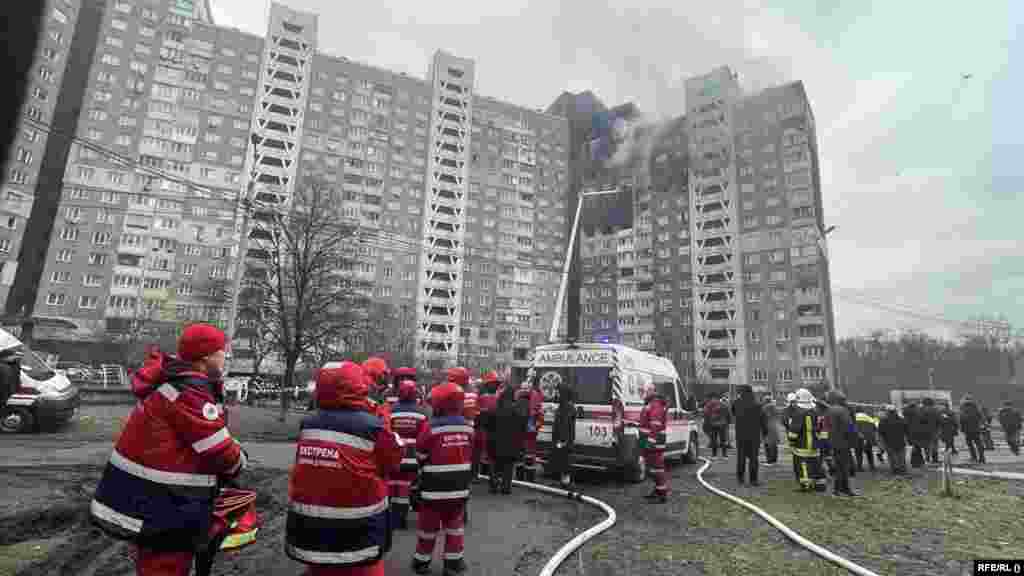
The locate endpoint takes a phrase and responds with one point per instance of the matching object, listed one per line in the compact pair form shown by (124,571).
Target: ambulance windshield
(589,382)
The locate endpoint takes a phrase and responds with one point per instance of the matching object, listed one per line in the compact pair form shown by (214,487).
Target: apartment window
(101,238)
(110,60)
(69,233)
(24,155)
(778,256)
(188,269)
(5,245)
(39,93)
(777,276)
(780,314)
(55,299)
(750,221)
(60,277)
(88,302)
(773,220)
(17,176)
(752,259)
(753,296)
(97,259)
(786,375)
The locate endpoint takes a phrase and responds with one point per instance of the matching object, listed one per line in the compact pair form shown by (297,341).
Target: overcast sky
(922,171)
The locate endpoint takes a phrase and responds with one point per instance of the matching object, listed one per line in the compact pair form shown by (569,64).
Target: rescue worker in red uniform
(408,421)
(653,425)
(444,450)
(401,375)
(343,445)
(488,404)
(377,371)
(471,407)
(159,487)
(533,400)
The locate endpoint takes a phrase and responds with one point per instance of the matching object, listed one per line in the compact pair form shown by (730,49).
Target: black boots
(454,567)
(420,567)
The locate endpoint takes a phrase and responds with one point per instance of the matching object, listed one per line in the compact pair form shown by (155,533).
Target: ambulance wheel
(17,420)
(693,450)
(637,471)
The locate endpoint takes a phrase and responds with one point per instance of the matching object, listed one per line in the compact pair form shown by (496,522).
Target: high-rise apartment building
(30,142)
(181,119)
(720,266)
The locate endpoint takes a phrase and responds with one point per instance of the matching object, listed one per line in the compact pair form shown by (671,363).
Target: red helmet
(376,367)
(341,386)
(448,398)
(458,376)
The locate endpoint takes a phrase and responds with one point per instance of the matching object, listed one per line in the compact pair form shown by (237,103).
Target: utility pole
(553,335)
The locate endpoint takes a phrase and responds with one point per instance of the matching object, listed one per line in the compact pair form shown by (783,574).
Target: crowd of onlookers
(833,438)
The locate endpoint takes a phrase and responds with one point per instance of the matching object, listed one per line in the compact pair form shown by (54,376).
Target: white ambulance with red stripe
(609,380)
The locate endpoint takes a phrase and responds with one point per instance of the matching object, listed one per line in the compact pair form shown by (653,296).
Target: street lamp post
(553,335)
(243,247)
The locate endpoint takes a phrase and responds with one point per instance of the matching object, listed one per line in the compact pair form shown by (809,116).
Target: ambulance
(609,380)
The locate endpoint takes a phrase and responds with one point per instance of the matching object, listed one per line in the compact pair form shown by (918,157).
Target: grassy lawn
(721,538)
(15,557)
(901,526)
(898,526)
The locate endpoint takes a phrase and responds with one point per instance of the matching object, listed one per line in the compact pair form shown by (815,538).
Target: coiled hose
(582,538)
(786,530)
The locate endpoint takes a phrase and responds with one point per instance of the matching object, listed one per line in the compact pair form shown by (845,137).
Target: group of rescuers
(373,447)
(376,447)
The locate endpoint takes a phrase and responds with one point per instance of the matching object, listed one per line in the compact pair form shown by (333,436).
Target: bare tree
(390,331)
(307,294)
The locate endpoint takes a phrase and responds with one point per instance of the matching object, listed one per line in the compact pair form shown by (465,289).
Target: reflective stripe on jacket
(338,499)
(159,485)
(408,421)
(445,452)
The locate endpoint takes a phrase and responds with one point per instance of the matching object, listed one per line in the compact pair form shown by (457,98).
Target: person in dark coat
(892,433)
(1009,419)
(840,424)
(563,433)
(971,421)
(749,418)
(771,432)
(505,433)
(928,430)
(867,438)
(949,427)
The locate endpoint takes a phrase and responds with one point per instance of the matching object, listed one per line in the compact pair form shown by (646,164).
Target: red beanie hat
(341,386)
(199,341)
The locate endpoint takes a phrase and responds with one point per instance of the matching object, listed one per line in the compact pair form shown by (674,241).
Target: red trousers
(375,569)
(398,487)
(156,563)
(442,518)
(656,465)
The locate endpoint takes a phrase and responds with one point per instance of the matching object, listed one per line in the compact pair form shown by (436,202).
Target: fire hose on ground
(786,530)
(582,538)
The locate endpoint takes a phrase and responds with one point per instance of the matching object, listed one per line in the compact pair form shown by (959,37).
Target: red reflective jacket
(654,421)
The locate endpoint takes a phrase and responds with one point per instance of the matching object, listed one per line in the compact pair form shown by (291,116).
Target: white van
(44,398)
(609,381)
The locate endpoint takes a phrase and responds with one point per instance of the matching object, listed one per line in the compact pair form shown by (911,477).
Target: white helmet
(805,399)
(791,397)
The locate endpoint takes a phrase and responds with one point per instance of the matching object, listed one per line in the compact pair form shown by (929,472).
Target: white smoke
(636,144)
